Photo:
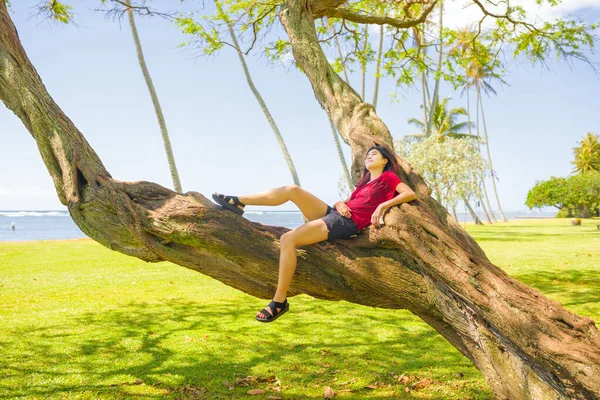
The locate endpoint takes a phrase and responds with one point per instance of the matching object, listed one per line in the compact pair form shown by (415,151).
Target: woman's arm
(405,194)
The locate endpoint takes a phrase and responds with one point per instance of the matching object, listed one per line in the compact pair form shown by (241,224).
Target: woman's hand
(342,208)
(377,217)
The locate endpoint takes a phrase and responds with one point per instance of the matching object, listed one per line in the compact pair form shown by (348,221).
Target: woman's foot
(273,311)
(229,202)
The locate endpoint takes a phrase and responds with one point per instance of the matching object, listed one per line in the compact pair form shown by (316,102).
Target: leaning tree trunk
(526,345)
(157,108)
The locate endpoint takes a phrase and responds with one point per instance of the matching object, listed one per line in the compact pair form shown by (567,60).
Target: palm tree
(587,155)
(443,122)
(436,90)
(336,136)
(157,109)
(480,77)
(462,49)
(378,67)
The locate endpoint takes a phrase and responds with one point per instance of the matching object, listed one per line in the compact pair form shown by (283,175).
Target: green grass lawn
(78,321)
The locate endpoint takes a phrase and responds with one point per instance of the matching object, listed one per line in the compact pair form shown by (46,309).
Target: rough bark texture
(526,345)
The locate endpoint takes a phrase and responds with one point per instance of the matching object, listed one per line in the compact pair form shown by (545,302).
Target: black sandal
(229,202)
(274,305)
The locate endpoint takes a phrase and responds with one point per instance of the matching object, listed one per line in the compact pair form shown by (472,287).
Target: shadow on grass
(578,286)
(151,342)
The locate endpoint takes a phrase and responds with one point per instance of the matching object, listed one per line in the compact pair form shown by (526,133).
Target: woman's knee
(287,239)
(292,189)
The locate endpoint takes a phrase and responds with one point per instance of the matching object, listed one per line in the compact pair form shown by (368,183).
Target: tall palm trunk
(420,42)
(261,102)
(485,211)
(364,62)
(339,49)
(338,147)
(487,145)
(157,109)
(378,67)
(479,148)
(436,90)
(334,131)
(473,214)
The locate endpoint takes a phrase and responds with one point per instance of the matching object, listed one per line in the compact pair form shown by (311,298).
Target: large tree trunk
(157,108)
(526,345)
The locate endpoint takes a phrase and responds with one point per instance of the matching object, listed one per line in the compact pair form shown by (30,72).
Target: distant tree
(583,193)
(452,167)
(578,195)
(552,192)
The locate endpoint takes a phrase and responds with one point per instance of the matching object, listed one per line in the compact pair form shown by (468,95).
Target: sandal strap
(266,313)
(236,201)
(274,305)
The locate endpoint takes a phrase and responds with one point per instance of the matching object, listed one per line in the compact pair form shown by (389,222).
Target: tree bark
(526,345)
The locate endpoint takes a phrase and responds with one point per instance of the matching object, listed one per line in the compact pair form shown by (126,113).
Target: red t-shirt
(365,199)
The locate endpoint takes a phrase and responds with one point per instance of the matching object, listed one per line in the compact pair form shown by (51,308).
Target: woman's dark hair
(391,165)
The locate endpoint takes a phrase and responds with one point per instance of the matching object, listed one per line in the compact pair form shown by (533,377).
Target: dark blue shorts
(339,226)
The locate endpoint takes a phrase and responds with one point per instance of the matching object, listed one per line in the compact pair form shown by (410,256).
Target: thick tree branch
(345,13)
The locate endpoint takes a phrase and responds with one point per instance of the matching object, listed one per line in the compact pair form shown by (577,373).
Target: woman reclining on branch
(379,189)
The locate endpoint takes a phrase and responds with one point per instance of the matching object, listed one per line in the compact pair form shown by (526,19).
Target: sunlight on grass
(79,321)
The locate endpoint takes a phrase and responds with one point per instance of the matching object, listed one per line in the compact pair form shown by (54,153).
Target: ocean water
(53,225)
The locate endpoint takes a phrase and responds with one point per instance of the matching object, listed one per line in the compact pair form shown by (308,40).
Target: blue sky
(220,138)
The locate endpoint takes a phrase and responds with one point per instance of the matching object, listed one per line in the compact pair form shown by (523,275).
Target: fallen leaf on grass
(328,393)
(403,379)
(256,391)
(274,397)
(422,384)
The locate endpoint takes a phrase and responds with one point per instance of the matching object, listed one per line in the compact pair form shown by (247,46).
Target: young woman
(379,189)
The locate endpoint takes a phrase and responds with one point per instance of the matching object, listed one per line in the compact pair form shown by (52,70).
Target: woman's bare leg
(310,205)
(309,233)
